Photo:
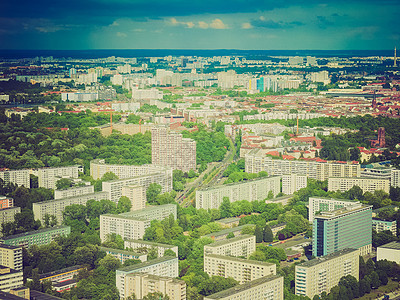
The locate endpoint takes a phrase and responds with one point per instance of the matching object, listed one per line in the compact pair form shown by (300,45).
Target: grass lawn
(391,286)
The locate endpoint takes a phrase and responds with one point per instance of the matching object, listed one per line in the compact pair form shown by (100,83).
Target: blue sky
(200,24)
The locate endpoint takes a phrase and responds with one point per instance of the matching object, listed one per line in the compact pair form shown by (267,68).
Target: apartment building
(37,237)
(98,168)
(389,251)
(380,225)
(139,245)
(320,204)
(172,150)
(19,177)
(166,266)
(8,214)
(57,207)
(256,189)
(395,178)
(6,202)
(320,274)
(242,270)
(142,284)
(137,195)
(132,225)
(243,246)
(62,274)
(123,255)
(346,227)
(114,187)
(48,177)
(222,234)
(74,192)
(256,161)
(11,256)
(292,183)
(366,184)
(10,279)
(268,287)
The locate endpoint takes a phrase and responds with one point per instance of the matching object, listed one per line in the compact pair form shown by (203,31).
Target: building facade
(249,190)
(172,150)
(10,279)
(320,204)
(19,177)
(48,177)
(242,270)
(11,256)
(265,288)
(390,252)
(74,192)
(292,183)
(6,202)
(381,225)
(243,245)
(347,227)
(137,196)
(371,185)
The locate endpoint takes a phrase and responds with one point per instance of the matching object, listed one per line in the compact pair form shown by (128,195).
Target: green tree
(156,296)
(152,192)
(230,235)
(124,205)
(225,208)
(63,183)
(169,252)
(258,232)
(267,234)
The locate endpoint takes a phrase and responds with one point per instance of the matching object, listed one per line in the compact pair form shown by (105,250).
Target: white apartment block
(98,168)
(123,255)
(265,288)
(10,279)
(395,178)
(138,94)
(256,161)
(73,192)
(136,245)
(132,225)
(79,97)
(283,115)
(57,207)
(114,187)
(142,284)
(19,177)
(243,245)
(292,183)
(320,274)
(320,204)
(242,270)
(137,195)
(250,190)
(366,184)
(11,256)
(166,266)
(8,214)
(48,177)
(390,251)
(172,150)
(382,225)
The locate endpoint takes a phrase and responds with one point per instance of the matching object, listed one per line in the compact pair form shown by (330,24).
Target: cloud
(246,26)
(121,34)
(203,25)
(218,24)
(175,22)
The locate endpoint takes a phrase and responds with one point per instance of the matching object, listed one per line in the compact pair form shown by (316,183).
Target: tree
(152,192)
(169,252)
(109,176)
(152,253)
(267,234)
(355,193)
(230,235)
(156,296)
(110,263)
(226,208)
(259,234)
(375,282)
(124,205)
(63,183)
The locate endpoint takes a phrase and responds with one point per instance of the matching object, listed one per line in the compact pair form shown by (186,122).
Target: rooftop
(318,260)
(120,251)
(232,240)
(35,232)
(132,268)
(228,230)
(392,245)
(151,243)
(61,271)
(237,183)
(343,211)
(241,260)
(240,288)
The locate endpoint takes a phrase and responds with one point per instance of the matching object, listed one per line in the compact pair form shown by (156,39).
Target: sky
(200,24)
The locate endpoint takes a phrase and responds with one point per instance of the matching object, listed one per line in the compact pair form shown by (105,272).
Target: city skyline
(123,24)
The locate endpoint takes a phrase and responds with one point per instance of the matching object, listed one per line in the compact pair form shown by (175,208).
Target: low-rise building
(242,270)
(320,274)
(123,255)
(243,246)
(390,252)
(381,225)
(6,202)
(268,287)
(62,274)
(166,266)
(142,284)
(37,237)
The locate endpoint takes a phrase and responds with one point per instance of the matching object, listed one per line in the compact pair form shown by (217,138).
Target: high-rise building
(172,150)
(320,274)
(347,227)
(267,287)
(19,177)
(320,204)
(11,256)
(257,189)
(292,183)
(48,177)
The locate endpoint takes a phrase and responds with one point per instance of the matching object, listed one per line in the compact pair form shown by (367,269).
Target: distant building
(172,150)
(140,245)
(381,225)
(73,192)
(19,177)
(292,183)
(390,251)
(8,215)
(366,184)
(123,255)
(243,245)
(11,256)
(48,177)
(347,227)
(320,274)
(267,287)
(256,189)
(6,202)
(148,94)
(242,270)
(37,237)
(166,266)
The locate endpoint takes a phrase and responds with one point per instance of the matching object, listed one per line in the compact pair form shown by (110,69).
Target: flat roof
(10,237)
(322,259)
(147,263)
(121,251)
(241,260)
(61,271)
(392,245)
(11,247)
(237,183)
(228,241)
(228,230)
(342,211)
(151,243)
(71,197)
(242,287)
